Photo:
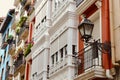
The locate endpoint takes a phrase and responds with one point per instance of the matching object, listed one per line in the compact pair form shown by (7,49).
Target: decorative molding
(84,5)
(91,74)
(39,5)
(58,33)
(62,65)
(63,21)
(37,51)
(98,4)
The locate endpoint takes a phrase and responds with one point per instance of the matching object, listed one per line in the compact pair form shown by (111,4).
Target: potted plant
(22,20)
(10,38)
(28,50)
(17,30)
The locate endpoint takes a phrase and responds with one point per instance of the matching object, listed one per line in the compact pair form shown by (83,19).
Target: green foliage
(22,20)
(17,30)
(28,50)
(10,37)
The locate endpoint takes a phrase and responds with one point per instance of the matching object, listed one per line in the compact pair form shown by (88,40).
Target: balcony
(90,64)
(59,8)
(9,72)
(62,64)
(20,46)
(19,64)
(27,50)
(27,5)
(4,45)
(30,10)
(22,21)
(10,39)
(12,48)
(14,21)
(24,31)
(41,30)
(32,15)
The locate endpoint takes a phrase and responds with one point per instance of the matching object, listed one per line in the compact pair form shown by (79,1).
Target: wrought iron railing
(20,60)
(9,72)
(89,57)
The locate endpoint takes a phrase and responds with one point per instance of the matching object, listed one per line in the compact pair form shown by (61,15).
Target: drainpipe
(107,64)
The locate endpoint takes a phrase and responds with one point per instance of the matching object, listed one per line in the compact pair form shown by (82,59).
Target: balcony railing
(31,9)
(4,43)
(9,72)
(61,64)
(59,3)
(27,49)
(24,32)
(59,6)
(12,48)
(19,62)
(89,58)
(78,2)
(41,30)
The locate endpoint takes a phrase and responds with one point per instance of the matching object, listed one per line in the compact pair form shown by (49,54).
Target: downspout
(107,64)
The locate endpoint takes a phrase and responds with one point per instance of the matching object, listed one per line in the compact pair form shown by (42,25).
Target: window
(2,73)
(7,70)
(1,60)
(4,55)
(65,49)
(52,57)
(43,20)
(61,53)
(73,49)
(56,56)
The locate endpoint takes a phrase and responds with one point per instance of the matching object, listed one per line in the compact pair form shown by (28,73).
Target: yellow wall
(115,29)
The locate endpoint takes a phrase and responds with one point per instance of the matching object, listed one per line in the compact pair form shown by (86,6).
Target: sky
(5,5)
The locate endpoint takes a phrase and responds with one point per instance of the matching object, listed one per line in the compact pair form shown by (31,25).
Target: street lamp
(85,29)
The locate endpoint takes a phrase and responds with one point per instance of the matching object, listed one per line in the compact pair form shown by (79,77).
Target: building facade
(6,40)
(40,49)
(114,29)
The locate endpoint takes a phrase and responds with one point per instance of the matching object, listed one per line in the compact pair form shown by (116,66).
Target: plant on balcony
(21,22)
(28,50)
(10,39)
(17,30)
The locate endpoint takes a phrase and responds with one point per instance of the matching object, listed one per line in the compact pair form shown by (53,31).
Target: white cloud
(5,5)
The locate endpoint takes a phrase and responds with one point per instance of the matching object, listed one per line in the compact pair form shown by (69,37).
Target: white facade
(55,38)
(63,40)
(40,50)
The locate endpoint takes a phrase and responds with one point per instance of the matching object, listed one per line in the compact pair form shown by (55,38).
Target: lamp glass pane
(88,29)
(81,31)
